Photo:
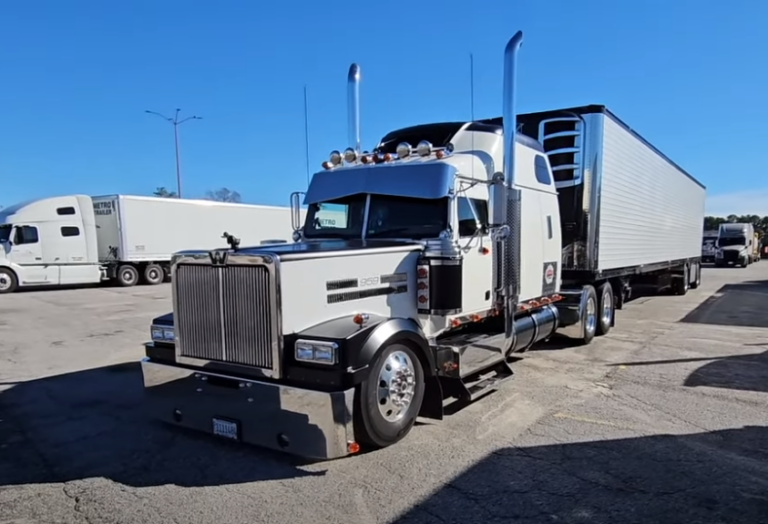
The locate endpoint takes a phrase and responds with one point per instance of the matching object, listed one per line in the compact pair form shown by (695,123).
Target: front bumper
(302,422)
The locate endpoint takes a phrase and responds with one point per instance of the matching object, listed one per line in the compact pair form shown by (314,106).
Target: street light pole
(176,123)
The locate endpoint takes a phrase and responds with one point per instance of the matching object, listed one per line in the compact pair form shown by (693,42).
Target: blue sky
(79,74)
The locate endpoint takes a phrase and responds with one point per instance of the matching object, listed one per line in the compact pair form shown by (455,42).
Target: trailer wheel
(388,401)
(8,281)
(682,284)
(127,276)
(589,320)
(606,308)
(153,274)
(697,282)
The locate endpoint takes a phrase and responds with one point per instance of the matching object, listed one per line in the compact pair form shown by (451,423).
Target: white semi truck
(736,244)
(459,245)
(78,239)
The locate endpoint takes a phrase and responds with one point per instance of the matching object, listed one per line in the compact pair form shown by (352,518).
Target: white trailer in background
(78,239)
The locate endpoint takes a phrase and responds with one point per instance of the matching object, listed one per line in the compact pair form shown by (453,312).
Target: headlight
(162,333)
(316,351)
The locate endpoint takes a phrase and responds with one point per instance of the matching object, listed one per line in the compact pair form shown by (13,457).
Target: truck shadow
(738,372)
(92,424)
(718,476)
(741,304)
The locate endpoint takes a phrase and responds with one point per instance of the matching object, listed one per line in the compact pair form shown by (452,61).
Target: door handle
(38,258)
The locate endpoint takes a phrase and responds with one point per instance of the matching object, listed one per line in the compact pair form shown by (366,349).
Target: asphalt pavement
(664,420)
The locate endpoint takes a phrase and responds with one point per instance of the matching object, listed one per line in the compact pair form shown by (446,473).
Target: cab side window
(26,235)
(472,211)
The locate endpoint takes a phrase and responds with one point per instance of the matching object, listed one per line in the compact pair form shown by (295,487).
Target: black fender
(406,330)
(403,330)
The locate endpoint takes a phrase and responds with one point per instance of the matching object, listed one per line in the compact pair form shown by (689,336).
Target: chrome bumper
(302,422)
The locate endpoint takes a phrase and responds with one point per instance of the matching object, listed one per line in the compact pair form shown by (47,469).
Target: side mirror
(296,210)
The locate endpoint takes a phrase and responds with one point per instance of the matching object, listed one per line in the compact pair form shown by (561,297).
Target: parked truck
(78,239)
(735,244)
(459,245)
(709,247)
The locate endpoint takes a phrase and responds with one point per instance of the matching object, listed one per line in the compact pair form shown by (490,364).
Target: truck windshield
(5,232)
(388,217)
(732,241)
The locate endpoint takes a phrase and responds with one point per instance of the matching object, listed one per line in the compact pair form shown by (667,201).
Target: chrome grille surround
(227,316)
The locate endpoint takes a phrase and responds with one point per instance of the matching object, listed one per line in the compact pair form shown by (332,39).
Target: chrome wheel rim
(396,386)
(607,309)
(590,322)
(5,282)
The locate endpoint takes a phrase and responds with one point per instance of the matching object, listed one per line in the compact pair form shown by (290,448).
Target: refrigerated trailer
(454,247)
(79,239)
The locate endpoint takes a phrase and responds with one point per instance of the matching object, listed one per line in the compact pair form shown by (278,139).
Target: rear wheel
(153,274)
(682,284)
(697,282)
(606,309)
(589,318)
(388,401)
(127,276)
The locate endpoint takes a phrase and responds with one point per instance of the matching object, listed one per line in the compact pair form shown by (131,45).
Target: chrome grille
(224,313)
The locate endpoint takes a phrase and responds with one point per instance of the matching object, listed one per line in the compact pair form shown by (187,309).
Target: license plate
(226,428)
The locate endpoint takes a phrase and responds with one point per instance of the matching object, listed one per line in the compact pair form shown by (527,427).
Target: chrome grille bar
(225,314)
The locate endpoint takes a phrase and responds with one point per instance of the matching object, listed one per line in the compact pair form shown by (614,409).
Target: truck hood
(316,249)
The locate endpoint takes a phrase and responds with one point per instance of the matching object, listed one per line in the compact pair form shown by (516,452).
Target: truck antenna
(306,132)
(472,87)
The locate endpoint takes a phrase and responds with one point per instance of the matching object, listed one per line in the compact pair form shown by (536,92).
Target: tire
(590,318)
(682,285)
(8,281)
(696,283)
(127,276)
(377,422)
(607,308)
(153,275)
(166,274)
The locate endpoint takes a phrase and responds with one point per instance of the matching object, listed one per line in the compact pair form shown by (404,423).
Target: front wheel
(8,281)
(388,401)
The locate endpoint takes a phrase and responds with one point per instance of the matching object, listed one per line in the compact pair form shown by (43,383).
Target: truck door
(27,254)
(478,264)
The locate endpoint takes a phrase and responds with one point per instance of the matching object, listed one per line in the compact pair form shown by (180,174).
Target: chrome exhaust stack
(353,108)
(507,199)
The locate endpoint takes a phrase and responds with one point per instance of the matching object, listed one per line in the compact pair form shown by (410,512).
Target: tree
(760,223)
(223,195)
(164,193)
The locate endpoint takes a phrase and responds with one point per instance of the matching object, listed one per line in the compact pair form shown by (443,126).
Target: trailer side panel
(651,211)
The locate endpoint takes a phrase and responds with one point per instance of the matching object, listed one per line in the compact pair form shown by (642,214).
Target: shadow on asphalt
(92,424)
(741,304)
(720,476)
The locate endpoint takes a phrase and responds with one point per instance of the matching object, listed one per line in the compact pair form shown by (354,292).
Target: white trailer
(629,213)
(78,239)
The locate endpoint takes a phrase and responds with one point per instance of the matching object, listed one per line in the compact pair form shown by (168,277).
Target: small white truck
(78,239)
(454,246)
